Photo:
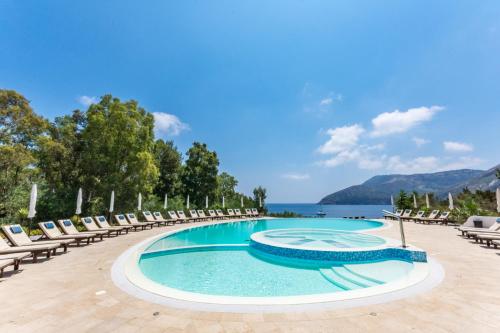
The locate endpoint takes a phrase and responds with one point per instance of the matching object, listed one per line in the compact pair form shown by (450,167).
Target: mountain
(377,190)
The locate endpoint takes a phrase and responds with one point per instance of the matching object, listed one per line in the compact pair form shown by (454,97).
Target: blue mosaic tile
(348,256)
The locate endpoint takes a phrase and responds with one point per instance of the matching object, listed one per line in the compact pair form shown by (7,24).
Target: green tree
(60,163)
(118,151)
(403,200)
(199,175)
(168,159)
(259,193)
(20,130)
(226,186)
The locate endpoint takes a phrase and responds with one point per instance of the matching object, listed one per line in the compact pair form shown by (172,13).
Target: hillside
(378,189)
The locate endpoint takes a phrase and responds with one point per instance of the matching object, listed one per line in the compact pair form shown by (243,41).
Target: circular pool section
(219,263)
(318,239)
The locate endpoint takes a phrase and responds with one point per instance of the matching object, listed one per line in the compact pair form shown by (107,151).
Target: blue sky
(302,97)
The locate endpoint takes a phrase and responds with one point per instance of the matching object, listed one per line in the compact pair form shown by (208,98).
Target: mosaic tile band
(357,256)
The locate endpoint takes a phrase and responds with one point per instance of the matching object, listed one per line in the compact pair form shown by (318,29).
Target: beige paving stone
(60,293)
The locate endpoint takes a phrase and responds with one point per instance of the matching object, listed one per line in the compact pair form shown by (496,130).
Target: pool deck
(74,292)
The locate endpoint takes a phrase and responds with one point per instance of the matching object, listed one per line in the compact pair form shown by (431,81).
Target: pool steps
(345,279)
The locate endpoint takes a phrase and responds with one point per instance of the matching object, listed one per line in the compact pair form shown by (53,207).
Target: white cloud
(87,100)
(399,122)
(326,101)
(465,162)
(296,176)
(420,141)
(460,147)
(430,164)
(168,124)
(415,165)
(341,139)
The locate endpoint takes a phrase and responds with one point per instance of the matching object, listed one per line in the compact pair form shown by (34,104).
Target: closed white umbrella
(415,202)
(223,202)
(260,202)
(32,207)
(187,202)
(79,200)
(498,199)
(427,204)
(165,202)
(139,202)
(392,203)
(450,199)
(241,201)
(112,202)
(206,202)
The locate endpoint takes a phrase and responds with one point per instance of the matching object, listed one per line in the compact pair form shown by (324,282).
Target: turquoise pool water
(239,232)
(239,270)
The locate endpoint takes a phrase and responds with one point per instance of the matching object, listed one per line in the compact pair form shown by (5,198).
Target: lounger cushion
(87,220)
(49,225)
(67,223)
(121,217)
(131,216)
(15,229)
(101,219)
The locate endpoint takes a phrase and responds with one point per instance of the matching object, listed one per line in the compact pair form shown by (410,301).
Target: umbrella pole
(29,226)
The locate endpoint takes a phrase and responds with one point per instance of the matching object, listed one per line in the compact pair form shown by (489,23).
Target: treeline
(108,147)
(466,203)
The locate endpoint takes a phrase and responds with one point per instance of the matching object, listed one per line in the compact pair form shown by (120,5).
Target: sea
(308,209)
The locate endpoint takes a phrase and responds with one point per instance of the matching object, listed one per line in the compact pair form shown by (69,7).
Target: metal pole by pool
(401,229)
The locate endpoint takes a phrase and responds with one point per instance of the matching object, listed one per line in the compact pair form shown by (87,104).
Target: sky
(302,97)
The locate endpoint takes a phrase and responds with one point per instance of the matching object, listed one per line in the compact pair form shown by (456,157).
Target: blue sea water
(305,209)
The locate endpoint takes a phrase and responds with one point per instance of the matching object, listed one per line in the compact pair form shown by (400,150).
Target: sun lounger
(174,217)
(90,226)
(213,214)
(193,214)
(431,218)
(19,238)
(50,231)
(255,212)
(231,213)
(103,224)
(14,258)
(202,215)
(420,214)
(443,218)
(495,243)
(122,221)
(390,217)
(406,213)
(28,250)
(488,238)
(220,214)
(132,219)
(4,263)
(159,217)
(494,227)
(150,218)
(69,229)
(238,213)
(183,217)
(248,212)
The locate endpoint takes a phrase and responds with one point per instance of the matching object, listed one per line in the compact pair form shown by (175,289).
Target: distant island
(377,190)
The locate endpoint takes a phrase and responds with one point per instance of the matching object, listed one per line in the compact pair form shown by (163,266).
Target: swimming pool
(274,261)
